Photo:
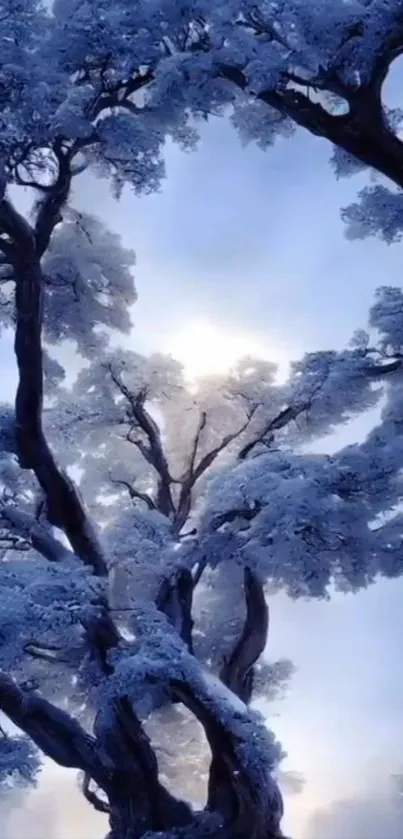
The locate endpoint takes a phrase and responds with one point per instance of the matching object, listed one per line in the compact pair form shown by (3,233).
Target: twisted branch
(237,671)
(153,450)
(65,507)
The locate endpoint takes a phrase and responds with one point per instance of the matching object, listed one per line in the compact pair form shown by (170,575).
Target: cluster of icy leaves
(378,212)
(331,388)
(42,605)
(19,761)
(318,519)
(29,88)
(303,533)
(142,553)
(89,284)
(387,317)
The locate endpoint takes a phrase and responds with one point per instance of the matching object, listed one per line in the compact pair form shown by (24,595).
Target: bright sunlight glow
(204,349)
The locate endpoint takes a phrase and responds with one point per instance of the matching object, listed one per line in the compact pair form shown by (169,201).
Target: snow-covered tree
(100,86)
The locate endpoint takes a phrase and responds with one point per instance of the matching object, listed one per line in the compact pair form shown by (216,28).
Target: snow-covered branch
(242,793)
(266,434)
(57,734)
(30,529)
(196,470)
(134,494)
(152,450)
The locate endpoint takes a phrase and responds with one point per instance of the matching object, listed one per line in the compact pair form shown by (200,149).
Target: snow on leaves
(19,762)
(89,284)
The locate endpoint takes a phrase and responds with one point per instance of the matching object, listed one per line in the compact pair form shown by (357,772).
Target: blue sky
(252,244)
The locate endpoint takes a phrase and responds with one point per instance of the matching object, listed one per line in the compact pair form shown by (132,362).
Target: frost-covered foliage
(90,289)
(19,762)
(110,84)
(90,284)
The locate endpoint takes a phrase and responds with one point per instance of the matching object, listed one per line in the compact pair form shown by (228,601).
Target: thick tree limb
(137,799)
(58,735)
(28,527)
(24,246)
(363,132)
(102,636)
(135,794)
(247,800)
(237,671)
(65,508)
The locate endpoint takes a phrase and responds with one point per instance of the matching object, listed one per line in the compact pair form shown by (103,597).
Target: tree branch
(246,513)
(153,452)
(200,428)
(92,798)
(39,537)
(175,600)
(363,132)
(237,671)
(379,370)
(65,508)
(138,801)
(280,421)
(194,473)
(50,208)
(58,735)
(119,95)
(240,788)
(46,653)
(133,492)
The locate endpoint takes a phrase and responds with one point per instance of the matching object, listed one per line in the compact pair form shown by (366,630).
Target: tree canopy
(126,604)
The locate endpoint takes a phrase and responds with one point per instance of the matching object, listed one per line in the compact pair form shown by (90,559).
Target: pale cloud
(55,810)
(374,815)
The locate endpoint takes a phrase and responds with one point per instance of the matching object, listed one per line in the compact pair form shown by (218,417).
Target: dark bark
(137,801)
(55,733)
(30,529)
(152,450)
(175,599)
(363,132)
(64,507)
(237,671)
(266,434)
(243,800)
